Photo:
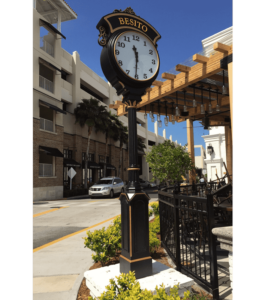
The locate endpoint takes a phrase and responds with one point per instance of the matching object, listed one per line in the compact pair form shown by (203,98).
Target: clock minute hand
(136,58)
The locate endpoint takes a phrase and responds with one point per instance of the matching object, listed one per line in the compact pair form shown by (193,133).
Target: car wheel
(111,194)
(122,190)
(92,197)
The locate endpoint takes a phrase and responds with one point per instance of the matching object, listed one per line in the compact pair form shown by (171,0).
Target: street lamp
(210,150)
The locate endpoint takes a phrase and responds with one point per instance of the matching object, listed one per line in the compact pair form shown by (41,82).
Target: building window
(151,143)
(46,118)
(64,76)
(65,176)
(100,173)
(67,153)
(46,78)
(46,41)
(101,158)
(90,176)
(91,156)
(46,163)
(65,106)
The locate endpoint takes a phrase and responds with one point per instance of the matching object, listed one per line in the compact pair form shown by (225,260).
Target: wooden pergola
(202,82)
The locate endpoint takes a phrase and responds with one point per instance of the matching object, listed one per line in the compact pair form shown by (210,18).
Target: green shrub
(155,225)
(154,242)
(150,212)
(155,207)
(105,242)
(128,288)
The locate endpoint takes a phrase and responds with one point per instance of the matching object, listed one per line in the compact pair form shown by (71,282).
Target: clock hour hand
(136,58)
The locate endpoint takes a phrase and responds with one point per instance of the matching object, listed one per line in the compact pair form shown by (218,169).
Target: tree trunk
(105,167)
(86,156)
(120,160)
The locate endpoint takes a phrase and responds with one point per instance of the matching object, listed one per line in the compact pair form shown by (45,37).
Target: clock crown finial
(128,10)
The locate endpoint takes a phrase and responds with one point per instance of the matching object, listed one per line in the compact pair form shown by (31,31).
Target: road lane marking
(72,234)
(48,211)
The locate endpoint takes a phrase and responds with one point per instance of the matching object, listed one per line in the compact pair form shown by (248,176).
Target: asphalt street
(56,219)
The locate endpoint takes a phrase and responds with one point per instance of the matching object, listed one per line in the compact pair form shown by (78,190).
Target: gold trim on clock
(129,27)
(135,260)
(125,32)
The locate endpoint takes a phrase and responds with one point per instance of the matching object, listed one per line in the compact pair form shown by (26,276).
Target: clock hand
(136,58)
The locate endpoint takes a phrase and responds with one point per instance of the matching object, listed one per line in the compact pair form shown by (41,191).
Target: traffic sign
(71,173)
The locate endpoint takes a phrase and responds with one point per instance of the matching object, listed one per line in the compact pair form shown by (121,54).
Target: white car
(107,186)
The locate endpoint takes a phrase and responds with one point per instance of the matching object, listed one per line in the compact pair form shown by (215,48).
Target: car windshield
(105,181)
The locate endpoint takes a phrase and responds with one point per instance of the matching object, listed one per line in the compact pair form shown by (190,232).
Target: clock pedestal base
(142,268)
(135,255)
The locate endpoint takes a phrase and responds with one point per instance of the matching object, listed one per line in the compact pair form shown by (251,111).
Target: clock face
(136,55)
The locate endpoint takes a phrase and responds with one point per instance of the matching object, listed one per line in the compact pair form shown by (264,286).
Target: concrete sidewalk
(58,269)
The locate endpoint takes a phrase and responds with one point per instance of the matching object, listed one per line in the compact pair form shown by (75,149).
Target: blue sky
(181,24)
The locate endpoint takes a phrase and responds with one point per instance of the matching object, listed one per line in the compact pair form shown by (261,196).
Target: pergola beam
(218,78)
(221,47)
(168,76)
(182,68)
(157,83)
(193,111)
(200,58)
(188,97)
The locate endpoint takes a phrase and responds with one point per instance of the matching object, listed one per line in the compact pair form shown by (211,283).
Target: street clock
(130,62)
(129,58)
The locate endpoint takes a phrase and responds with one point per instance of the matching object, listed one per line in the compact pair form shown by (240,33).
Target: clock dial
(136,55)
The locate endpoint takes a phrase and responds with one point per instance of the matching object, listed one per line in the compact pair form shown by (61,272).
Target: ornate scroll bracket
(102,36)
(129,104)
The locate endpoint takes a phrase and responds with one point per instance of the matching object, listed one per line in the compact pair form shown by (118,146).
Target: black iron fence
(186,222)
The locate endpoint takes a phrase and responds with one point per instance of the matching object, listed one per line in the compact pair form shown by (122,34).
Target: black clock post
(135,255)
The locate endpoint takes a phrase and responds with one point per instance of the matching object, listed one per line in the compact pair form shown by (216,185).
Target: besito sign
(133,22)
(127,19)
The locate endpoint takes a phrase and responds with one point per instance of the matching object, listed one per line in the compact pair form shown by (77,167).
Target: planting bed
(159,255)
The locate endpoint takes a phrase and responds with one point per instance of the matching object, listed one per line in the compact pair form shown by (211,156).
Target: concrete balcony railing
(67,91)
(141,131)
(46,84)
(45,170)
(47,47)
(46,124)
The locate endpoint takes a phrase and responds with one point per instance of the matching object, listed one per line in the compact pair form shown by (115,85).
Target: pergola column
(190,139)
(230,80)
(229,149)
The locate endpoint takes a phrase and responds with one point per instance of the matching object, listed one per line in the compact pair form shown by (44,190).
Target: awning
(91,165)
(51,151)
(68,162)
(46,63)
(52,107)
(108,166)
(55,30)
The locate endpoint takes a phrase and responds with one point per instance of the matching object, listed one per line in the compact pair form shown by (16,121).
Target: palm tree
(109,128)
(123,138)
(140,144)
(91,114)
